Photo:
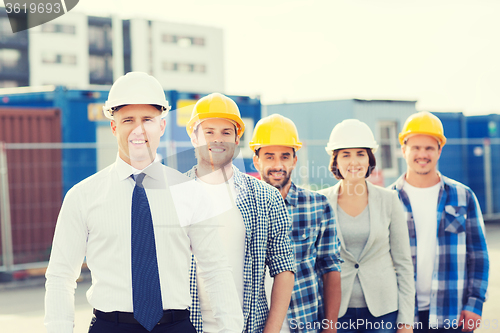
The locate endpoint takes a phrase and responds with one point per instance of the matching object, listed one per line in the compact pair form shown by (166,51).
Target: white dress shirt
(95,222)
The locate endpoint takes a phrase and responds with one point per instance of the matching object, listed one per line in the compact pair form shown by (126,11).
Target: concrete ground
(491,310)
(21,303)
(22,308)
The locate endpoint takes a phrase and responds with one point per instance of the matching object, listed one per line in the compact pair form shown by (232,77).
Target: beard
(218,160)
(423,173)
(278,184)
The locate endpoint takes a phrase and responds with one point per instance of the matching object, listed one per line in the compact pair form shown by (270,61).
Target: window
(8,84)
(59,28)
(199,41)
(388,147)
(100,68)
(97,65)
(99,36)
(184,67)
(5,28)
(183,41)
(200,68)
(19,38)
(169,38)
(9,58)
(68,59)
(169,66)
(54,58)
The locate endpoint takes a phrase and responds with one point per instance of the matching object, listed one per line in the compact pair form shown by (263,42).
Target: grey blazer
(385,267)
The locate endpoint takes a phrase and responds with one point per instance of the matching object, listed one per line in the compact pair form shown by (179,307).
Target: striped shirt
(460,276)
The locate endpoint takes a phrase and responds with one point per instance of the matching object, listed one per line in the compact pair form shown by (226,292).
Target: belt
(169,316)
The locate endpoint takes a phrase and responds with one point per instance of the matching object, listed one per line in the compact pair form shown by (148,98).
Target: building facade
(76,50)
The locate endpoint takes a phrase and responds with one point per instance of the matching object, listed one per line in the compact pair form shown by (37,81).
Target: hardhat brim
(407,135)
(221,115)
(256,146)
(108,111)
(331,149)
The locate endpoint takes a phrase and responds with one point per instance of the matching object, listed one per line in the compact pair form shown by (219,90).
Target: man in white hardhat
(253,221)
(314,306)
(447,235)
(136,222)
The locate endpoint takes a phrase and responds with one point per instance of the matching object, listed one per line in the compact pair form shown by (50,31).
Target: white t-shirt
(232,232)
(424,203)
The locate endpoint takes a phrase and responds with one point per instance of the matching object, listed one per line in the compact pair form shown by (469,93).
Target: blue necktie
(148,308)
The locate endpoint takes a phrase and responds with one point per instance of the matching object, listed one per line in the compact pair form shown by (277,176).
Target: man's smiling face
(275,165)
(421,153)
(215,140)
(138,129)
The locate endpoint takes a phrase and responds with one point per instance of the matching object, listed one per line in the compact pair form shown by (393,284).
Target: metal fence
(34,178)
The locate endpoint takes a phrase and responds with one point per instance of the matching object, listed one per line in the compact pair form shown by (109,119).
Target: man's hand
(469,321)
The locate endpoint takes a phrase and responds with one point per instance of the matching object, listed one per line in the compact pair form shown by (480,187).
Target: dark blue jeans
(103,326)
(423,325)
(360,320)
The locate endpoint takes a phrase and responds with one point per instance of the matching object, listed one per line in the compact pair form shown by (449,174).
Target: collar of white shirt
(153,170)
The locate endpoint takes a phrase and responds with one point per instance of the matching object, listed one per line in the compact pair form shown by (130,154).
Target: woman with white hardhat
(377,275)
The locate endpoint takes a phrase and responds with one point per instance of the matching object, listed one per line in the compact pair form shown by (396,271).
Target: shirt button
(356,266)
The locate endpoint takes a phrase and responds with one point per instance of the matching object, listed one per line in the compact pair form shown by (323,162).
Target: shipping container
(453,162)
(34,179)
(484,155)
(77,125)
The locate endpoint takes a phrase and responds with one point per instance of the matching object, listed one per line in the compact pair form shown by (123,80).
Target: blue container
(453,162)
(480,128)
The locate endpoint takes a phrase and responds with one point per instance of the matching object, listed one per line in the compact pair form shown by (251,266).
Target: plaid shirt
(266,243)
(317,251)
(460,277)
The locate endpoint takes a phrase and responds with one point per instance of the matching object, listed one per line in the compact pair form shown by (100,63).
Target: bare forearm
(280,300)
(331,296)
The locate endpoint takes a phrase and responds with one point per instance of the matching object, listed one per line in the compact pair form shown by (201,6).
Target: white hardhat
(351,133)
(135,88)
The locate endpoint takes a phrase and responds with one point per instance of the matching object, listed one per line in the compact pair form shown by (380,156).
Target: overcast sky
(444,54)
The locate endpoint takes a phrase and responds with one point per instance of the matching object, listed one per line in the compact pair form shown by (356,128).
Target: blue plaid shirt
(266,243)
(317,251)
(460,277)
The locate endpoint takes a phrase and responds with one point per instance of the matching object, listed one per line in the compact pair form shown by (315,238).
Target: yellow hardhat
(275,130)
(215,106)
(423,123)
